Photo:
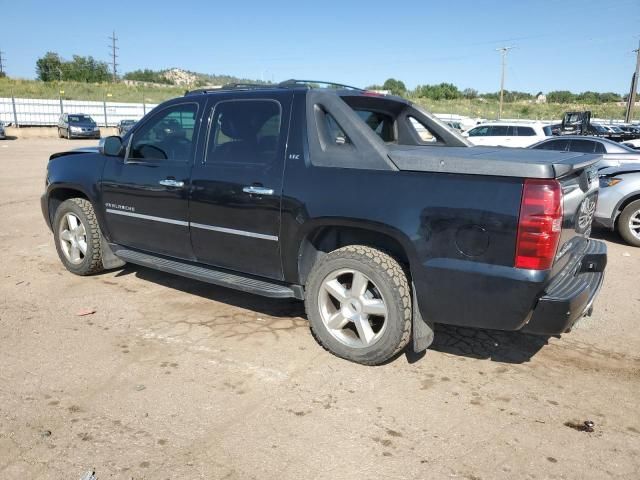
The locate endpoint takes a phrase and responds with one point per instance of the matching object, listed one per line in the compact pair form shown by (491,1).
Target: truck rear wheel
(358,302)
(629,224)
(78,236)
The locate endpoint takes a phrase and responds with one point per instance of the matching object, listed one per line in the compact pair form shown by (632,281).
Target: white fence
(41,112)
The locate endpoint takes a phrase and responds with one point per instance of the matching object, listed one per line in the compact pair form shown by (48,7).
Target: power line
(634,88)
(114,55)
(503,51)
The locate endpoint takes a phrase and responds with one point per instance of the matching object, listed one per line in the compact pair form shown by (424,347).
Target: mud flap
(422,333)
(109,260)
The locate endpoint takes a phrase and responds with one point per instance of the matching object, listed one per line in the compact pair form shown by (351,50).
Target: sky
(572,45)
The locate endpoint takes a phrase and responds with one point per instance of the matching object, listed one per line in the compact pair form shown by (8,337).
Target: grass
(545,111)
(120,92)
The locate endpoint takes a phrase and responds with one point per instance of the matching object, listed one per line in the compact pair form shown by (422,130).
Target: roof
(287,84)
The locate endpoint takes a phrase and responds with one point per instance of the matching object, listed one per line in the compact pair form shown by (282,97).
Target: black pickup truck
(377,215)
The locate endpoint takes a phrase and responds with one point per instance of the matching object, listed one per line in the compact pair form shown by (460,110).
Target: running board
(209,275)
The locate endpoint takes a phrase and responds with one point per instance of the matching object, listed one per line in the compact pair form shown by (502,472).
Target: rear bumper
(571,297)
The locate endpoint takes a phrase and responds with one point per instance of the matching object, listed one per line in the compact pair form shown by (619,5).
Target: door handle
(171,183)
(253,190)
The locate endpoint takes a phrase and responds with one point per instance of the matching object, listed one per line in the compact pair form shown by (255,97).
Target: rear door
(236,188)
(145,196)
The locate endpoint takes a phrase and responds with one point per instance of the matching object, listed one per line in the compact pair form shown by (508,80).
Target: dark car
(77,125)
(124,126)
(334,196)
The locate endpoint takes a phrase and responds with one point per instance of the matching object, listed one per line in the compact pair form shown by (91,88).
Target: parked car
(332,196)
(2,132)
(508,134)
(619,201)
(124,126)
(613,153)
(613,133)
(628,132)
(77,125)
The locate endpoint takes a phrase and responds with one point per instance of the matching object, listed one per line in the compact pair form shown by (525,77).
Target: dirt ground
(175,379)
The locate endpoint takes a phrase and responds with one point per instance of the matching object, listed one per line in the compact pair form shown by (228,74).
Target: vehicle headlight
(609,181)
(95,127)
(76,129)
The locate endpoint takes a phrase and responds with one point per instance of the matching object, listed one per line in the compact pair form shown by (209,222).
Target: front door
(236,188)
(145,196)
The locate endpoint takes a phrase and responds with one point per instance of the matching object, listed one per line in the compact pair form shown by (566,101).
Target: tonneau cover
(504,162)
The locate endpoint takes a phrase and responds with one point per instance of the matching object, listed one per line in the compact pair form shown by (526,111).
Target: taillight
(539,225)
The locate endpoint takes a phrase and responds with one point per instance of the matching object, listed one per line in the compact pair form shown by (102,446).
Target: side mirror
(110,146)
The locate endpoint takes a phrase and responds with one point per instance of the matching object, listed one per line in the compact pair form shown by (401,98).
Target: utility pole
(1,64)
(114,55)
(503,51)
(634,88)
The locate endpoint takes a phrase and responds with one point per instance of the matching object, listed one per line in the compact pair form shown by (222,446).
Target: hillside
(155,93)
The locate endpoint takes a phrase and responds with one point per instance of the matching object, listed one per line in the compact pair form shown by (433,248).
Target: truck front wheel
(78,236)
(358,302)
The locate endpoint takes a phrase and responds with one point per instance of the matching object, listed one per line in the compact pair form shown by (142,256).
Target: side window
(244,132)
(511,131)
(334,131)
(526,131)
(599,148)
(559,145)
(423,132)
(582,146)
(499,131)
(168,135)
(380,123)
(479,132)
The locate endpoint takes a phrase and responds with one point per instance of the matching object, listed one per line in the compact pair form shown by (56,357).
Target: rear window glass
(423,132)
(380,123)
(559,145)
(499,131)
(582,146)
(547,131)
(244,132)
(526,132)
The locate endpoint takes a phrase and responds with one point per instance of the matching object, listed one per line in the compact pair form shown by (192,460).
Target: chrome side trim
(233,231)
(148,217)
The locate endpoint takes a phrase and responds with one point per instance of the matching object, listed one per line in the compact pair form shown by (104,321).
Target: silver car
(613,154)
(618,205)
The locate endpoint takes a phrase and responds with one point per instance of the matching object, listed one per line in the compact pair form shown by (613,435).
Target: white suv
(503,134)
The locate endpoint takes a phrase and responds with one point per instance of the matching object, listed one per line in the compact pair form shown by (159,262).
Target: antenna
(114,55)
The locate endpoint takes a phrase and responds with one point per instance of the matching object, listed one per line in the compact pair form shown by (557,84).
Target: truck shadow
(609,236)
(273,307)
(495,345)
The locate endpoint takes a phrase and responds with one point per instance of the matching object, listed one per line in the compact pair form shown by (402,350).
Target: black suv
(375,213)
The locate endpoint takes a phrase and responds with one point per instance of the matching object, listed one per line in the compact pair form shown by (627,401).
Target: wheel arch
(59,193)
(622,204)
(326,236)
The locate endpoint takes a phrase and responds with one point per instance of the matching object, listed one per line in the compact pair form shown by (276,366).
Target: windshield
(547,131)
(80,119)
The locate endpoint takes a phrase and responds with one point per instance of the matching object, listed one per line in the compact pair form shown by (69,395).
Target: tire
(68,134)
(631,213)
(377,277)
(87,234)
(59,133)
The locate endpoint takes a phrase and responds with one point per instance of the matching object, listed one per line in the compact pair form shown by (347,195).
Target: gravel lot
(171,378)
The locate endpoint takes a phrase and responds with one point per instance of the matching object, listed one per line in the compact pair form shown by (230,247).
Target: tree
(442,91)
(470,93)
(560,96)
(49,67)
(396,87)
